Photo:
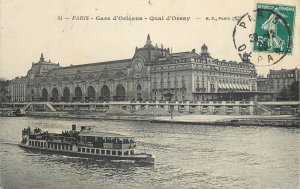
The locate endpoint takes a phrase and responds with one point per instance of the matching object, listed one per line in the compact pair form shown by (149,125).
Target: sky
(31,27)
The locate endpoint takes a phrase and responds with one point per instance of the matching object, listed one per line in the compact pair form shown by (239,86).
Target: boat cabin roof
(103,134)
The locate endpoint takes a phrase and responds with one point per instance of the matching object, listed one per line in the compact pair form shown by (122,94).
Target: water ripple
(187,156)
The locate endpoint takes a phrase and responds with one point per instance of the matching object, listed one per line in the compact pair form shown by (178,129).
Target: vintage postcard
(149,94)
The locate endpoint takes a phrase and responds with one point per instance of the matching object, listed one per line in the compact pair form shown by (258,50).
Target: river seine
(187,156)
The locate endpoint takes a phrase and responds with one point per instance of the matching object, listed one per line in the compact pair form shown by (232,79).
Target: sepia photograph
(149,94)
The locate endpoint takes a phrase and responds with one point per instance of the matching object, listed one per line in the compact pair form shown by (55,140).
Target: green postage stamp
(274,28)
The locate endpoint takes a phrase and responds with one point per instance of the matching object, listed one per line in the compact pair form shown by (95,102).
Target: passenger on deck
(119,141)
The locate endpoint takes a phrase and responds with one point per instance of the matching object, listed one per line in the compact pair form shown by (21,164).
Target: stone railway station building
(152,74)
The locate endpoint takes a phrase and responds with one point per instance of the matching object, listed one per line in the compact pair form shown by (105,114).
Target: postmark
(265,36)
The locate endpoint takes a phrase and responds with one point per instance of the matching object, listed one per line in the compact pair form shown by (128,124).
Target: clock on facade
(138,64)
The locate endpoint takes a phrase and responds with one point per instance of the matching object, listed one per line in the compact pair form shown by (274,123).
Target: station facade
(152,74)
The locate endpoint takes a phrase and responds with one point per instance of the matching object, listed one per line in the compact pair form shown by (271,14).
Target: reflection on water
(187,156)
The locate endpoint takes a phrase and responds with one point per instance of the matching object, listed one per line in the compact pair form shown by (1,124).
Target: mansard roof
(96,63)
(282,71)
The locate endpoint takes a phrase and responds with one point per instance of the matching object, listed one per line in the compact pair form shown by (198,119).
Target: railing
(264,108)
(119,146)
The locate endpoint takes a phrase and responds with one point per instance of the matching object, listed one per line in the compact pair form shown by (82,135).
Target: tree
(291,93)
(283,95)
(4,84)
(295,91)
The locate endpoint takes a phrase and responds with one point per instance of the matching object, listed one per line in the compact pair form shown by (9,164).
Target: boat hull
(138,158)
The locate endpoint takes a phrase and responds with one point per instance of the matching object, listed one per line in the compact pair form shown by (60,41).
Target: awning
(226,86)
(220,86)
(223,85)
(244,87)
(237,86)
(241,86)
(247,87)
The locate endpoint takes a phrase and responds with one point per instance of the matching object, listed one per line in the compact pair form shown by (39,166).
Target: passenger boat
(12,113)
(84,143)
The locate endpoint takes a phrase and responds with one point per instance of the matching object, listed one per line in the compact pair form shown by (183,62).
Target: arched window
(54,94)
(139,97)
(78,93)
(139,87)
(105,93)
(91,92)
(120,92)
(253,88)
(66,94)
(44,94)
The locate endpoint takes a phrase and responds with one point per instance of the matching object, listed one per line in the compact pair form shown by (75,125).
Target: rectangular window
(119,153)
(87,150)
(92,151)
(107,152)
(71,147)
(79,149)
(67,147)
(97,151)
(102,151)
(114,153)
(55,146)
(59,146)
(51,145)
(63,147)
(29,143)
(38,144)
(126,153)
(83,149)
(131,152)
(35,143)
(42,144)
